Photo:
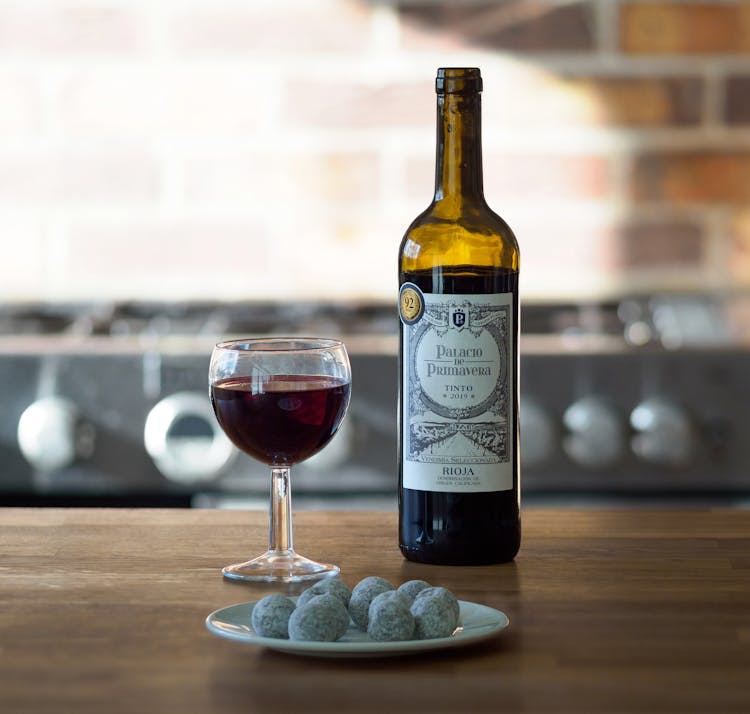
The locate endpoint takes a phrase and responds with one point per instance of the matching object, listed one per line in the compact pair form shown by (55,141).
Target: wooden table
(610,610)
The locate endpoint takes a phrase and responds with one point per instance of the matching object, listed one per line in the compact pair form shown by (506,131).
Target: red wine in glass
(280,400)
(280,419)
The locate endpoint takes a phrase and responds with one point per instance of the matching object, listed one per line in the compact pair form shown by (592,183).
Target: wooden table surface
(610,610)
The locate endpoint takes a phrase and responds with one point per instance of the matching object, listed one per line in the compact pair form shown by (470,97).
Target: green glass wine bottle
(459,480)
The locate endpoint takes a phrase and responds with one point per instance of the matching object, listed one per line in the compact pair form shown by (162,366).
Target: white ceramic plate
(475,623)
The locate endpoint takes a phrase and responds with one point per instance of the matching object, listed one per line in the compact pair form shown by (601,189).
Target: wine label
(458,373)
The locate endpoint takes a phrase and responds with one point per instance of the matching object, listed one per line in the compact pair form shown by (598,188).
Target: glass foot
(281,567)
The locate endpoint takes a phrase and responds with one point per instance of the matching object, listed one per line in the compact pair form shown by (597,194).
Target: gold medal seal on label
(411,304)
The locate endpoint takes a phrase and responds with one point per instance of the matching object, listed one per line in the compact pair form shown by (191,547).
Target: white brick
(168,259)
(239,178)
(291,178)
(67,176)
(20,103)
(345,105)
(276,29)
(69,27)
(161,101)
(21,276)
(340,254)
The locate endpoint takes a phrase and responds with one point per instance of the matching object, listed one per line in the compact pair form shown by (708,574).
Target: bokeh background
(277,149)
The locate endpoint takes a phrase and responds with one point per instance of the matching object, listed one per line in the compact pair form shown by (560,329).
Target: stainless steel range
(108,403)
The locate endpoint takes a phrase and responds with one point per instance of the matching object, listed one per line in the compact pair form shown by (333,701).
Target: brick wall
(279,148)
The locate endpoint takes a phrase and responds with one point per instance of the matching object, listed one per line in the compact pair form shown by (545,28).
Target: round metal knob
(596,433)
(183,438)
(665,434)
(48,433)
(538,433)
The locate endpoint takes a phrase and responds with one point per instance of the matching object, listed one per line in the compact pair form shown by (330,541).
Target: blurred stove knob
(538,433)
(184,440)
(665,435)
(48,433)
(596,433)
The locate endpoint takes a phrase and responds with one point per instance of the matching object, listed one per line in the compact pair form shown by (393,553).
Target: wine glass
(280,400)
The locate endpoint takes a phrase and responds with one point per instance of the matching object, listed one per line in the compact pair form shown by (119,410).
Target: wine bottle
(459,488)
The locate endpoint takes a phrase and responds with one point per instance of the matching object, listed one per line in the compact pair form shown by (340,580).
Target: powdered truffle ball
(362,595)
(333,586)
(388,596)
(411,588)
(323,619)
(443,595)
(389,617)
(270,617)
(434,614)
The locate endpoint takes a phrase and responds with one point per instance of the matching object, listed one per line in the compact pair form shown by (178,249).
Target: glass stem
(280,532)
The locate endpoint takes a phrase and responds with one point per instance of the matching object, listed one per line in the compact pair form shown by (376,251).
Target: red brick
(73,177)
(527,176)
(738,254)
(660,244)
(533,99)
(521,27)
(737,100)
(655,101)
(315,27)
(547,176)
(529,98)
(694,176)
(70,28)
(685,28)
(572,254)
(515,94)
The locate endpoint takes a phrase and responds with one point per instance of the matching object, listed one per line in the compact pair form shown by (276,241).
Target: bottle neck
(458,171)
